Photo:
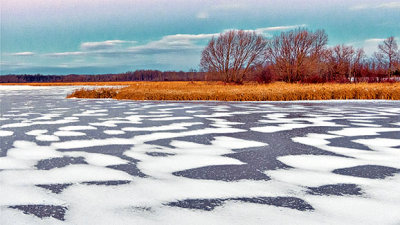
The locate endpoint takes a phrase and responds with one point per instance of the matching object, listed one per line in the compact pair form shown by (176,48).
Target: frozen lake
(77,161)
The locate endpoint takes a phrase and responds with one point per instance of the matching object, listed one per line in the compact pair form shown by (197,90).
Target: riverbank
(248,92)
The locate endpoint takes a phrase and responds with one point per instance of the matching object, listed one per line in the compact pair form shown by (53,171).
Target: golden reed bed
(248,92)
(117,83)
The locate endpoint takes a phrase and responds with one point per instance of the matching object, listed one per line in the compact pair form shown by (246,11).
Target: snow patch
(5,133)
(114,132)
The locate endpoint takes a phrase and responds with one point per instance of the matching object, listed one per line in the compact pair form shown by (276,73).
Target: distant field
(247,92)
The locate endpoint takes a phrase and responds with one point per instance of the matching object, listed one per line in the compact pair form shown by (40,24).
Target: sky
(114,36)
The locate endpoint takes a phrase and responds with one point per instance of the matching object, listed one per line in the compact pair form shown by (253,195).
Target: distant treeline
(139,75)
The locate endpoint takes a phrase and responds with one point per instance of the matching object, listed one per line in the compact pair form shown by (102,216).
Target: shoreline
(218,101)
(180,91)
(214,91)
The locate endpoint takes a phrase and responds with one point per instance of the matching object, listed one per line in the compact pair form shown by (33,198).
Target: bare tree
(359,60)
(297,53)
(340,61)
(232,54)
(388,54)
(345,62)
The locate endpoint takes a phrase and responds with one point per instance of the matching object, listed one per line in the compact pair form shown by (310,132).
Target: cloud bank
(101,45)
(386,5)
(22,54)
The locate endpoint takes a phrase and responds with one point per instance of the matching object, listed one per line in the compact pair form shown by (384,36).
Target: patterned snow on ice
(77,161)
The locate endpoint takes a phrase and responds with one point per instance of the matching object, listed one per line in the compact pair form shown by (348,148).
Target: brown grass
(247,92)
(118,83)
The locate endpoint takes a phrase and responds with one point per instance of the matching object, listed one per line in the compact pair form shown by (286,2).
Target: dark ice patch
(128,168)
(286,202)
(347,142)
(224,172)
(115,150)
(52,163)
(211,204)
(201,204)
(159,154)
(198,139)
(368,171)
(141,209)
(108,182)
(42,211)
(336,189)
(55,188)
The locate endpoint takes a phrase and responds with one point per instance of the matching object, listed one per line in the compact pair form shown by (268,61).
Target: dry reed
(117,83)
(248,92)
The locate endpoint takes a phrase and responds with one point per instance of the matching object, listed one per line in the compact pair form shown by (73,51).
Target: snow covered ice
(80,161)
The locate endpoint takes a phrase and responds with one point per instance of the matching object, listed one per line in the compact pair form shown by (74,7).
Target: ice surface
(320,162)
(172,118)
(174,126)
(91,143)
(363,131)
(294,123)
(21,88)
(68,174)
(134,176)
(98,159)
(75,128)
(235,143)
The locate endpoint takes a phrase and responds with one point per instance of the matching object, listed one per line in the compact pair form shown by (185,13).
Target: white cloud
(65,54)
(390,5)
(278,28)
(386,5)
(187,37)
(101,45)
(266,31)
(22,54)
(176,43)
(370,45)
(374,40)
(172,44)
(167,44)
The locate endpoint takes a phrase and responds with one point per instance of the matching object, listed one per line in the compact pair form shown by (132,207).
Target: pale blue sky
(111,36)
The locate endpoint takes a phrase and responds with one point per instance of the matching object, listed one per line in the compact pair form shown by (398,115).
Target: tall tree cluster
(298,55)
(232,54)
(388,55)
